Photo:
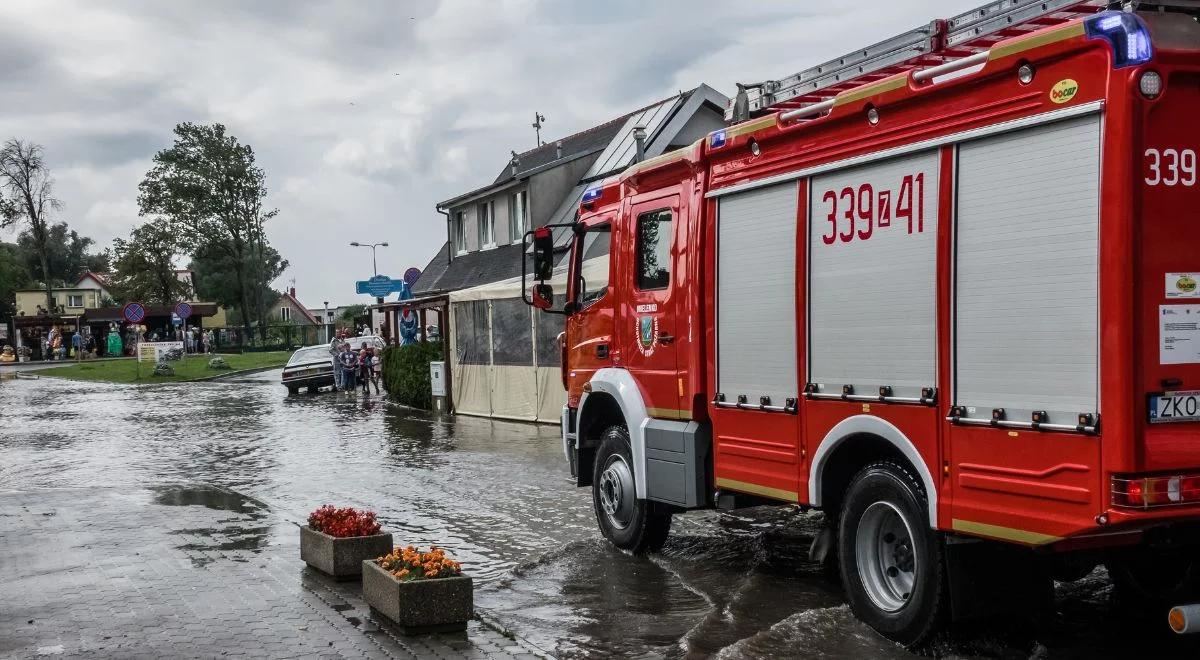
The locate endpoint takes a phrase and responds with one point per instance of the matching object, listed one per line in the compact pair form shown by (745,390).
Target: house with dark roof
(501,355)
(484,226)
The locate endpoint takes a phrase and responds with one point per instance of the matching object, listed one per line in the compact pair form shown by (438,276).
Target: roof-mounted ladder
(934,44)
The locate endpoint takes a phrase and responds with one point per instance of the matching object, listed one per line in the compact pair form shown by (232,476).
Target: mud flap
(986,579)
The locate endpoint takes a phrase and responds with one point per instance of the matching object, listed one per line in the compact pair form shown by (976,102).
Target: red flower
(343,523)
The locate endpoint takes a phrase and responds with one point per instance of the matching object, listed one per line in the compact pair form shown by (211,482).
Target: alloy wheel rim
(885,556)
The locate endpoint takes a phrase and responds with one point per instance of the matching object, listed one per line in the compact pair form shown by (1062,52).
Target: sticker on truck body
(1179,334)
(1183,285)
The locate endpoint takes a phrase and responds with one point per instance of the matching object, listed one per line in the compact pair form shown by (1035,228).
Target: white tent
(504,356)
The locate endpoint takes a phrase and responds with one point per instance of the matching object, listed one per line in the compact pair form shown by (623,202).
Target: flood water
(495,494)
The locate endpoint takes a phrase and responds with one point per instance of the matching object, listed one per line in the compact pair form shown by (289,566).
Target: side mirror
(543,254)
(543,296)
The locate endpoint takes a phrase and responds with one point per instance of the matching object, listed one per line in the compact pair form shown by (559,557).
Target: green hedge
(406,372)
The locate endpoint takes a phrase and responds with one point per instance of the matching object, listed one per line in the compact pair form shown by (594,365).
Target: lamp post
(374,267)
(372,246)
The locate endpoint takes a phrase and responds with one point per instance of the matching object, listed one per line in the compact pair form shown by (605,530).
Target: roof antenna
(538,118)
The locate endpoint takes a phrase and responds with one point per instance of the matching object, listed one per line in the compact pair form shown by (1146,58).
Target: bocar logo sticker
(1064,90)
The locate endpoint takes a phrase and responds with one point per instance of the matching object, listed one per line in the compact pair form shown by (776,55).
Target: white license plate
(1175,407)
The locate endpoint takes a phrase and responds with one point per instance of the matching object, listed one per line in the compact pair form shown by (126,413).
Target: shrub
(412,564)
(164,369)
(406,372)
(343,523)
(218,363)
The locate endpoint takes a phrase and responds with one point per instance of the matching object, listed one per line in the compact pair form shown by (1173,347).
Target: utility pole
(538,119)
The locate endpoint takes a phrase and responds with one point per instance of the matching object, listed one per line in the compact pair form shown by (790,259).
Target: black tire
(1147,578)
(292,389)
(644,529)
(313,389)
(885,496)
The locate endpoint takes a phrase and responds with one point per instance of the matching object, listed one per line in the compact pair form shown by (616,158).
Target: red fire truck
(944,289)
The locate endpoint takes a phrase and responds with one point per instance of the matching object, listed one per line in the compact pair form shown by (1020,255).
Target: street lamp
(372,246)
(379,300)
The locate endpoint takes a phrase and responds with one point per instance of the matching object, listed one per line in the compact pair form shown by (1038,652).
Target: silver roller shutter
(872,299)
(756,295)
(1025,274)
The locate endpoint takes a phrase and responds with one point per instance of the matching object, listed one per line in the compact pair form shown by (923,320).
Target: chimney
(639,136)
(558,150)
(292,291)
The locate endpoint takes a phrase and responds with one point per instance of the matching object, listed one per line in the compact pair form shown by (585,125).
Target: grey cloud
(362,118)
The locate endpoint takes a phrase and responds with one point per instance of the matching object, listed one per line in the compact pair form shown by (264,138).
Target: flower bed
(343,523)
(419,591)
(336,541)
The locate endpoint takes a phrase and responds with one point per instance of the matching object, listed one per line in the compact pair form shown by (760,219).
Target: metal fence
(278,338)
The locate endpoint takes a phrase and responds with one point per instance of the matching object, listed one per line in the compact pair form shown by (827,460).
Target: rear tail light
(1157,491)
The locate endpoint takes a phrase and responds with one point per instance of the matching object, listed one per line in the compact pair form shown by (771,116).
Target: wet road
(495,495)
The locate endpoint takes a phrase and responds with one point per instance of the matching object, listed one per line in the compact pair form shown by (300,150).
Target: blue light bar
(717,139)
(592,194)
(1125,33)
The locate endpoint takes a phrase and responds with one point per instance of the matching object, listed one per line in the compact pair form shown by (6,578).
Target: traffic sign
(183,310)
(379,286)
(134,312)
(176,319)
(412,275)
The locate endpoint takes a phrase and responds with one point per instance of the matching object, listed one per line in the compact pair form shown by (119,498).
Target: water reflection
(495,494)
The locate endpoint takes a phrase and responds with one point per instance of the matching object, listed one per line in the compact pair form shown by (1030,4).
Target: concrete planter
(419,606)
(341,558)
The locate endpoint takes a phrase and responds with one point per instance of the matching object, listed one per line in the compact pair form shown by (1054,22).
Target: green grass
(195,367)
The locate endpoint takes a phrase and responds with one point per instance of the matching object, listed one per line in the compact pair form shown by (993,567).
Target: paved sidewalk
(185,572)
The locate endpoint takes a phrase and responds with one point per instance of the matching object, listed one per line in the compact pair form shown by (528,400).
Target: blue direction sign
(183,310)
(379,286)
(134,312)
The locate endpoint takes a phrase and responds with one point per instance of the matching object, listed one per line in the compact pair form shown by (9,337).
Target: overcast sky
(365,114)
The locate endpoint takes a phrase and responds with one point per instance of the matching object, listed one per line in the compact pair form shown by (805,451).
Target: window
(459,230)
(75,300)
(517,211)
(594,262)
(285,313)
(487,225)
(654,250)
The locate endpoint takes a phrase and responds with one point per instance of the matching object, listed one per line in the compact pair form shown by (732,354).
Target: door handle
(665,339)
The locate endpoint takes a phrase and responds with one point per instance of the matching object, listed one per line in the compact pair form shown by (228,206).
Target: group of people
(354,367)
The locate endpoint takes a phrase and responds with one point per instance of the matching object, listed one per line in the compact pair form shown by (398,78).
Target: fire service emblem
(647,334)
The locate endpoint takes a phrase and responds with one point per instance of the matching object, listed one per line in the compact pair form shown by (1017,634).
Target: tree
(212,268)
(30,200)
(68,254)
(145,266)
(208,186)
(13,276)
(351,312)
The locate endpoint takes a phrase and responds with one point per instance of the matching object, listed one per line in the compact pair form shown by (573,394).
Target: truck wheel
(628,522)
(1143,577)
(293,389)
(890,560)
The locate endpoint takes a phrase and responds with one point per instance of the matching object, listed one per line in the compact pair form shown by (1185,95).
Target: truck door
(649,331)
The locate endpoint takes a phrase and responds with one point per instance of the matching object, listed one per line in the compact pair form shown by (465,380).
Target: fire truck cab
(956,307)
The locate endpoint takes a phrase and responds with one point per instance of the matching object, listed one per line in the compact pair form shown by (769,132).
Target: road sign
(183,310)
(412,275)
(134,312)
(176,319)
(379,286)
